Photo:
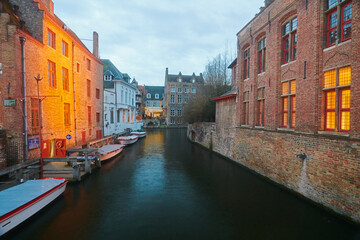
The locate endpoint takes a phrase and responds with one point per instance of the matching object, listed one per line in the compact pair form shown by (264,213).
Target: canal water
(165,187)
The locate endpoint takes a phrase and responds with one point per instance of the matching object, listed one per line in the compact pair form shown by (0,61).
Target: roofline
(233,63)
(233,95)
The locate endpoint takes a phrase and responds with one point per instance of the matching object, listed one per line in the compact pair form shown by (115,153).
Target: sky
(143,37)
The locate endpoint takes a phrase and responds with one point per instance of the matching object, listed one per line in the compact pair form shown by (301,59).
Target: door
(60,147)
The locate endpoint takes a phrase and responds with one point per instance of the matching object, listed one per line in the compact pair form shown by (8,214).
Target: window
(172,89)
(107,77)
(288,90)
(193,80)
(172,98)
(261,106)
(123,116)
(179,121)
(97,117)
(51,38)
(186,98)
(88,84)
(246,108)
(156,96)
(179,111)
(179,99)
(88,64)
(78,67)
(35,121)
(148,95)
(179,90)
(338,27)
(193,90)
(172,120)
(89,116)
(112,116)
(97,93)
(172,111)
(65,48)
(180,79)
(246,70)
(65,75)
(261,55)
(52,74)
(337,99)
(186,90)
(67,114)
(289,41)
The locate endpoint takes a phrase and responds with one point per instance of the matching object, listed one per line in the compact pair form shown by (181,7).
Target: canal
(164,187)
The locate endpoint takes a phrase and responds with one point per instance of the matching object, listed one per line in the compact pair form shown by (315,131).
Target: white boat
(139,134)
(20,202)
(127,139)
(108,151)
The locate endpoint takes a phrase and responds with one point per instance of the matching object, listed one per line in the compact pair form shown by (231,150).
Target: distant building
(139,100)
(154,96)
(178,90)
(119,101)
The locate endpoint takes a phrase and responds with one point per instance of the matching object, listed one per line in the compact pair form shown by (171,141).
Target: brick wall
(329,176)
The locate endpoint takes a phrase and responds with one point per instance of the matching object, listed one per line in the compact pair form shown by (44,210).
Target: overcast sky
(143,37)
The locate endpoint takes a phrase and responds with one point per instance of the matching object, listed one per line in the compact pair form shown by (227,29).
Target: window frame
(290,108)
(65,48)
(288,35)
(261,55)
(35,120)
(51,39)
(246,67)
(261,107)
(65,77)
(52,73)
(246,108)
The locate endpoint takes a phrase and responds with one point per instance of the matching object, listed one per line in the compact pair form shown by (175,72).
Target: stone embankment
(324,169)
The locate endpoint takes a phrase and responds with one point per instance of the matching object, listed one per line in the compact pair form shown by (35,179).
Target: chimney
(49,5)
(96,44)
(267,2)
(167,72)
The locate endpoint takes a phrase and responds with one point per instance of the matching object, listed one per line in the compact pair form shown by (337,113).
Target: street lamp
(38,79)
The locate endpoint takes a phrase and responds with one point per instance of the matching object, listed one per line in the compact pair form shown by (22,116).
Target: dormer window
(107,77)
(179,79)
(193,80)
(156,96)
(148,95)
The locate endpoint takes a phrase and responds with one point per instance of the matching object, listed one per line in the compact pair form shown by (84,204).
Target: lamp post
(38,79)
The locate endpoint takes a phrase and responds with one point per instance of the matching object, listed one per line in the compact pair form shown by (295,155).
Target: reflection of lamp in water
(38,79)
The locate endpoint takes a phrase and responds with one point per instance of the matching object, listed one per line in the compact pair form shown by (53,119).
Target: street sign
(68,137)
(9,102)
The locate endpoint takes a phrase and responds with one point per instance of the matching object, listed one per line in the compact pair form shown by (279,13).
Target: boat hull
(139,134)
(111,154)
(125,141)
(21,214)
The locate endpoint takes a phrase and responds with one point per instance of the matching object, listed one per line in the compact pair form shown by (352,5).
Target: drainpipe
(74,96)
(22,42)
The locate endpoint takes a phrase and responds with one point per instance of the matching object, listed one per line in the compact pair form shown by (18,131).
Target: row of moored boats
(20,202)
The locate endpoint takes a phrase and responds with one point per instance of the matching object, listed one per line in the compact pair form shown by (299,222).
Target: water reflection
(164,187)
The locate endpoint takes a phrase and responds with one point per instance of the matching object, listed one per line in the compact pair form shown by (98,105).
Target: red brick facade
(304,101)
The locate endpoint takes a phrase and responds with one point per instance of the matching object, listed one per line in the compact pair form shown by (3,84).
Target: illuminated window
(65,77)
(88,84)
(65,48)
(88,64)
(337,95)
(52,73)
(51,38)
(246,108)
(246,69)
(338,27)
(288,91)
(289,41)
(261,55)
(66,114)
(35,121)
(261,106)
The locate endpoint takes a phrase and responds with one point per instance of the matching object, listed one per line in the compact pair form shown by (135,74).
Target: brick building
(71,86)
(178,90)
(297,90)
(154,98)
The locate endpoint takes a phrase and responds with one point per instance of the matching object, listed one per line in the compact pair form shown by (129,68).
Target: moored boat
(127,139)
(139,134)
(108,151)
(22,201)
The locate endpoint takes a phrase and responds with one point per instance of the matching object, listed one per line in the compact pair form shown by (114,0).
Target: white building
(119,101)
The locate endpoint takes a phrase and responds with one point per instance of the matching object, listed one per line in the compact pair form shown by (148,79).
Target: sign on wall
(33,142)
(9,102)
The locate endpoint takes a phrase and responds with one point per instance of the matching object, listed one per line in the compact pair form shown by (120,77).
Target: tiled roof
(185,78)
(230,94)
(154,90)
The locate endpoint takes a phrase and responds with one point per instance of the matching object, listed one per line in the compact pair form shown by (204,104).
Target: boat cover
(14,197)
(109,148)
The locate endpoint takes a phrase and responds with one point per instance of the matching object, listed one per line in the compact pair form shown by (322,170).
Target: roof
(185,78)
(154,90)
(233,63)
(230,94)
